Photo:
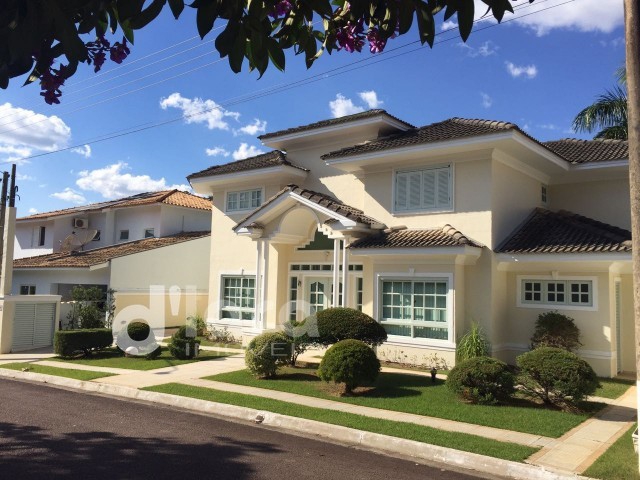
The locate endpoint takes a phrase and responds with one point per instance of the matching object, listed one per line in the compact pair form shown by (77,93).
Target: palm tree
(608,114)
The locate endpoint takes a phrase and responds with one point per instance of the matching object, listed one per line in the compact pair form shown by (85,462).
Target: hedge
(67,343)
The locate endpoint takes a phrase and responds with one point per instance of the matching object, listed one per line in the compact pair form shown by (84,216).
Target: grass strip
(58,372)
(613,387)
(112,358)
(619,462)
(416,394)
(459,441)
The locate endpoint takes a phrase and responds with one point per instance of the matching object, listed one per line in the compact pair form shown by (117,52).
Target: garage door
(33,326)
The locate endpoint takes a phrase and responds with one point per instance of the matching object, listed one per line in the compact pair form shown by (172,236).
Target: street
(49,433)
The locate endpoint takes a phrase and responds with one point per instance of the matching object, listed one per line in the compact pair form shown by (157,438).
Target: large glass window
(238,298)
(244,200)
(425,189)
(417,309)
(557,292)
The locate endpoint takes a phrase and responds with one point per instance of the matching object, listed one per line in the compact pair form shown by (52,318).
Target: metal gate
(33,325)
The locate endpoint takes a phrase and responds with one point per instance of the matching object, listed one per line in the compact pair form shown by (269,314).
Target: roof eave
(205,185)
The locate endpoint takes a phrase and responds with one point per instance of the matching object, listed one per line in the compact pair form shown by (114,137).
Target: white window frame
(544,304)
(240,210)
(422,168)
(419,277)
(237,321)
(28,287)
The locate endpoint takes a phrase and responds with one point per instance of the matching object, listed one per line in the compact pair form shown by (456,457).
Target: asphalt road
(50,433)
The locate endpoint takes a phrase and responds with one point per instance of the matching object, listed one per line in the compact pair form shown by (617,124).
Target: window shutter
(401,191)
(443,187)
(414,200)
(429,188)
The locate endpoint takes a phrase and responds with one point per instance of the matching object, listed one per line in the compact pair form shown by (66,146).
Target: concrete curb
(368,440)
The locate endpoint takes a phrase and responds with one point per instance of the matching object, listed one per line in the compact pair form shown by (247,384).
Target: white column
(345,273)
(258,284)
(263,286)
(336,271)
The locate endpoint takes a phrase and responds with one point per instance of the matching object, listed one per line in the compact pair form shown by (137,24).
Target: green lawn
(619,462)
(613,387)
(111,358)
(416,394)
(59,372)
(459,441)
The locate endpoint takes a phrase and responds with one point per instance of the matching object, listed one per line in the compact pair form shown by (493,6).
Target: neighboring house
(426,229)
(146,215)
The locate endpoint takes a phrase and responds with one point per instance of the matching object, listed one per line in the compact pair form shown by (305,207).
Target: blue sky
(537,71)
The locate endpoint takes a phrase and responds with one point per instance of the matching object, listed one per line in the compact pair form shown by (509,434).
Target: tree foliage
(35,34)
(608,114)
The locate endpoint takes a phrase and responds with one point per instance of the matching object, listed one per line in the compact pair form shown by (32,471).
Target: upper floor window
(149,233)
(41,236)
(96,238)
(27,289)
(244,200)
(124,234)
(424,189)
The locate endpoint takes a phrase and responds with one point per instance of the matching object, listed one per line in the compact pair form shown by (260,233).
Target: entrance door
(319,294)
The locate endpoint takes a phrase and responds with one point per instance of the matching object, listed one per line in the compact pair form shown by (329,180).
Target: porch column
(336,272)
(258,284)
(345,272)
(263,286)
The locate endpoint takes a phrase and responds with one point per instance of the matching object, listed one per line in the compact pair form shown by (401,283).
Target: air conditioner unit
(80,223)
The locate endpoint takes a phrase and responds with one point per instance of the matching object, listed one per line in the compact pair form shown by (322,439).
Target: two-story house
(426,229)
(151,239)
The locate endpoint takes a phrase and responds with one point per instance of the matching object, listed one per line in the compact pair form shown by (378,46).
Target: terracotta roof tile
(545,231)
(88,258)
(321,199)
(168,197)
(586,151)
(333,121)
(446,236)
(265,160)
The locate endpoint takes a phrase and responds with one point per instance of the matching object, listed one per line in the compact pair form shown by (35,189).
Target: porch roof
(320,199)
(545,231)
(446,236)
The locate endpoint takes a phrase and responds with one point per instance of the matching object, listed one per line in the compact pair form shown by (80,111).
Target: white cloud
(487,101)
(448,25)
(33,211)
(197,110)
(526,71)
(486,49)
(84,150)
(25,132)
(26,178)
(217,151)
(69,195)
(342,106)
(258,126)
(370,97)
(548,126)
(245,151)
(112,182)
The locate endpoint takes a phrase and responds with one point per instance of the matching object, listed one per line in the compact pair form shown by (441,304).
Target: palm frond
(618,132)
(609,110)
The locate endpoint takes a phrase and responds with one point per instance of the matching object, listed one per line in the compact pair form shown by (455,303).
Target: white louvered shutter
(443,196)
(429,189)
(401,191)
(414,191)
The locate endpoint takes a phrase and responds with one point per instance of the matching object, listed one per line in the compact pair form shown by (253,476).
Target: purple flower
(50,83)
(281,9)
(351,37)
(119,51)
(97,52)
(376,42)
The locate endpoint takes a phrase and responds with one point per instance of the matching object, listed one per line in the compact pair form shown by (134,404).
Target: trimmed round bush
(266,352)
(351,362)
(138,331)
(554,329)
(482,380)
(556,376)
(183,343)
(337,324)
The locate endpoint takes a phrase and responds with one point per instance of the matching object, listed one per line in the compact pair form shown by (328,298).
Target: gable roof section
(274,158)
(320,199)
(586,151)
(90,258)
(167,197)
(446,236)
(545,231)
(332,122)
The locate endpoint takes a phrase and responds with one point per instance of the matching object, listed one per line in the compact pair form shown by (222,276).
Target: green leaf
(236,55)
(405,15)
(127,30)
(65,30)
(466,12)
(177,6)
(426,24)
(147,15)
(128,8)
(225,41)
(207,14)
(276,54)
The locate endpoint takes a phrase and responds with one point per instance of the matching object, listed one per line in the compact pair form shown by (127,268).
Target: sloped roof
(585,151)
(168,197)
(446,236)
(321,199)
(89,258)
(545,231)
(270,159)
(334,121)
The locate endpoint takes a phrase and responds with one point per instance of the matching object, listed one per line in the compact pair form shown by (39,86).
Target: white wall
(46,280)
(26,239)
(179,219)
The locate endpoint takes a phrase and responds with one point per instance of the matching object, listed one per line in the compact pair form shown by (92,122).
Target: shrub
(196,321)
(474,343)
(221,335)
(556,376)
(336,324)
(266,352)
(152,355)
(351,362)
(183,343)
(140,332)
(88,310)
(299,338)
(483,380)
(554,329)
(67,343)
